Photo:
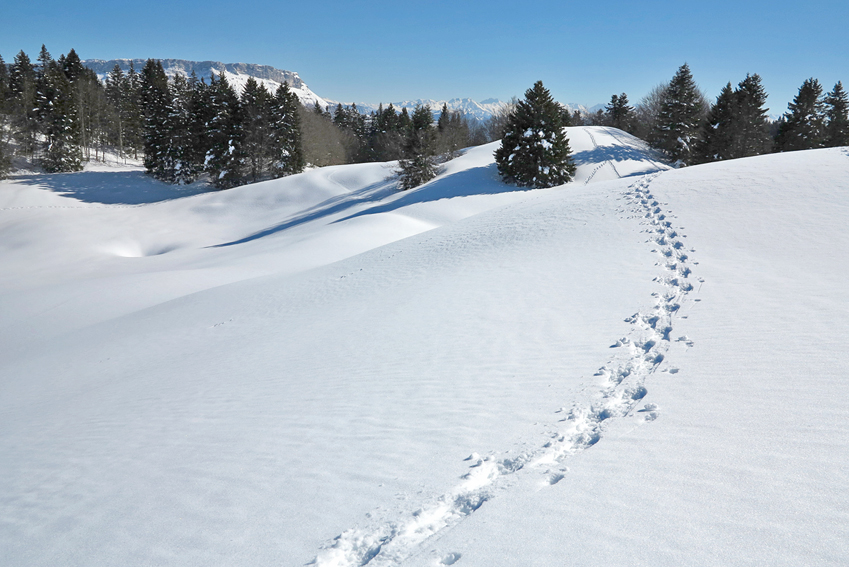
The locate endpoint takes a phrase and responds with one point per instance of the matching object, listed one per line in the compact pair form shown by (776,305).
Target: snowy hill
(237,74)
(642,367)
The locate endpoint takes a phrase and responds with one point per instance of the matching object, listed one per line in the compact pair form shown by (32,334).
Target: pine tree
(680,117)
(4,85)
(256,114)
(61,127)
(5,157)
(618,113)
(802,127)
(286,150)
(181,164)
(418,165)
(751,131)
(535,151)
(718,131)
(837,117)
(225,159)
(22,89)
(156,106)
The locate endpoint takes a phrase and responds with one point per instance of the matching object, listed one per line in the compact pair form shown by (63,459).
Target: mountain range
(238,73)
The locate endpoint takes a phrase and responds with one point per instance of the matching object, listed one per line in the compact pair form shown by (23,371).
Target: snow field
(635,371)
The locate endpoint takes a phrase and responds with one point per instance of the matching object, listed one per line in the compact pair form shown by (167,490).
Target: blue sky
(387,51)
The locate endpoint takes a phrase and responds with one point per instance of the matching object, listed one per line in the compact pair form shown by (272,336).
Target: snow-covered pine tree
(534,151)
(837,117)
(225,160)
(286,151)
(418,166)
(156,106)
(802,127)
(4,86)
(60,123)
(24,120)
(680,117)
(5,157)
(181,163)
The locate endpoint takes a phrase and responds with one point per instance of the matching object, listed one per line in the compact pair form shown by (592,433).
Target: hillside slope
(639,367)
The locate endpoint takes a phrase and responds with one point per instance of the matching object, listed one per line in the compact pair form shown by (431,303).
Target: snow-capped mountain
(236,73)
(472,109)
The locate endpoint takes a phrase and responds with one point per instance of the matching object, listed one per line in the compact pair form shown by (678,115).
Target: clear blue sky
(385,51)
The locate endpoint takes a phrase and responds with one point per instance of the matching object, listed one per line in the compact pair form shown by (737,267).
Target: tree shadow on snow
(467,183)
(608,153)
(111,187)
(475,181)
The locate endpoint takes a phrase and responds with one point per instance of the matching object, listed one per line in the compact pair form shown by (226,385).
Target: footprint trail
(620,389)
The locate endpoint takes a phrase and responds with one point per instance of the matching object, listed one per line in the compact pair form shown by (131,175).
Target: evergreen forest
(56,114)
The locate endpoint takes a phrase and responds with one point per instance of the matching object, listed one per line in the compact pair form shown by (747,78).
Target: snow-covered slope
(237,74)
(641,367)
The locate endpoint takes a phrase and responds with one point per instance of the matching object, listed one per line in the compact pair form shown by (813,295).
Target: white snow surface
(642,367)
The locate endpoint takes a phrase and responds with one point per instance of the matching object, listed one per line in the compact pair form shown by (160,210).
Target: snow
(642,367)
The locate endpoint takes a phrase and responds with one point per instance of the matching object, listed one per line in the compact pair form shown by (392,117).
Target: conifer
(156,105)
(802,127)
(225,159)
(836,117)
(751,132)
(534,151)
(679,118)
(286,150)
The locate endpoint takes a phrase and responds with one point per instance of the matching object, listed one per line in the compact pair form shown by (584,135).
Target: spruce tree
(256,114)
(802,127)
(5,158)
(225,160)
(4,85)
(418,166)
(618,113)
(837,117)
(286,150)
(60,119)
(717,136)
(156,106)
(751,130)
(679,118)
(181,165)
(22,92)
(534,151)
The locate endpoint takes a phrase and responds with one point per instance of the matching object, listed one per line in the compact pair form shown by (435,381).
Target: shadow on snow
(111,188)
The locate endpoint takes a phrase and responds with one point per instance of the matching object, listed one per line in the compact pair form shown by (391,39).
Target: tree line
(677,119)
(56,114)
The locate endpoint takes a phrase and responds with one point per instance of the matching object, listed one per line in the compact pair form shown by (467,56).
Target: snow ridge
(623,385)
